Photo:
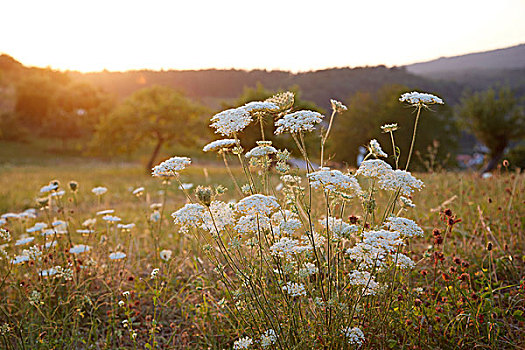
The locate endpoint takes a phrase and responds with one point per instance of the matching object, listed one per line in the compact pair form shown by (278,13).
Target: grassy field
(187,304)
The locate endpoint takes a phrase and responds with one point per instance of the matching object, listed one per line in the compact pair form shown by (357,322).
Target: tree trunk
(154,155)
(494,160)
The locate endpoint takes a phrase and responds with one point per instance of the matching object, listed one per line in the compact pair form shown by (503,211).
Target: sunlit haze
(291,35)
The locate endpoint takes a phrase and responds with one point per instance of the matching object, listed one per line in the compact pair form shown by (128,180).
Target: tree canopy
(158,116)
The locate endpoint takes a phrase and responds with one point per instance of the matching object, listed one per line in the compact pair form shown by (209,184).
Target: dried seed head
(204,194)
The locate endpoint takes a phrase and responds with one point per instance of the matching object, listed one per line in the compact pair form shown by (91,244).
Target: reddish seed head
(465,264)
(424,272)
(448,212)
(353,219)
(436,232)
(438,240)
(464,277)
(457,261)
(445,276)
(452,269)
(131,278)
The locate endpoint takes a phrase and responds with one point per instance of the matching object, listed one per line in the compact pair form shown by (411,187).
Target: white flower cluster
(219,145)
(268,338)
(242,343)
(260,106)
(171,167)
(364,279)
(389,127)
(189,216)
(420,98)
(257,204)
(99,191)
(405,227)
(375,148)
(388,179)
(335,180)
(223,216)
(404,262)
(117,255)
(339,228)
(231,121)
(386,240)
(308,270)
(252,223)
(294,289)
(263,148)
(79,248)
(354,336)
(288,247)
(297,122)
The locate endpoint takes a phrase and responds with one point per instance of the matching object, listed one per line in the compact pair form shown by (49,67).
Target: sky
(271,34)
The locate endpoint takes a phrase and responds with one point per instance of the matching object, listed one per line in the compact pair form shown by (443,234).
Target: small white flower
(99,191)
(294,289)
(231,121)
(138,191)
(375,148)
(354,336)
(111,218)
(297,122)
(389,127)
(166,254)
(242,343)
(48,188)
(338,106)
(126,227)
(171,167)
(39,226)
(23,241)
(117,255)
(20,259)
(154,273)
(268,338)
(102,212)
(121,303)
(219,145)
(80,248)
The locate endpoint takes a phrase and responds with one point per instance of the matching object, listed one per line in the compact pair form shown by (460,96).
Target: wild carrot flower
(402,180)
(283,100)
(338,228)
(252,223)
(294,289)
(166,254)
(354,336)
(220,145)
(171,167)
(20,259)
(405,227)
(297,122)
(258,106)
(99,191)
(389,127)
(188,216)
(375,149)
(117,255)
(242,343)
(337,106)
(111,218)
(268,338)
(49,188)
(39,226)
(231,121)
(221,216)
(364,279)
(263,148)
(335,180)
(80,248)
(420,99)
(23,241)
(258,204)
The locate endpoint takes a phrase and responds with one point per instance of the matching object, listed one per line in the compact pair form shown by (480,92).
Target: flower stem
(413,137)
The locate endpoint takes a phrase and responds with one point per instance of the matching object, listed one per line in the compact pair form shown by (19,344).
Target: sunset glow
(292,35)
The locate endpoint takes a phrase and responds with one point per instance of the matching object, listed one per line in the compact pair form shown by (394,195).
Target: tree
(495,118)
(156,115)
(367,112)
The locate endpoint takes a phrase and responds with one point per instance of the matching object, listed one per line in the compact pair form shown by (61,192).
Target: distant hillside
(212,86)
(502,59)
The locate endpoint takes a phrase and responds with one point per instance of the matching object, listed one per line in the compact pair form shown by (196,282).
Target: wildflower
(171,167)
(295,289)
(73,186)
(231,121)
(154,273)
(117,255)
(166,254)
(334,180)
(223,216)
(404,262)
(375,168)
(23,241)
(102,212)
(39,226)
(258,106)
(20,259)
(402,180)
(48,188)
(365,279)
(204,193)
(287,247)
(138,191)
(354,336)
(307,270)
(125,227)
(389,127)
(80,248)
(48,273)
(406,202)
(257,204)
(126,294)
(375,149)
(420,99)
(297,122)
(283,100)
(155,216)
(121,303)
(242,343)
(5,235)
(263,148)
(406,227)
(111,218)
(337,106)
(289,227)
(383,239)
(35,298)
(339,228)
(268,338)
(188,216)
(251,224)
(58,193)
(99,191)
(155,206)
(220,145)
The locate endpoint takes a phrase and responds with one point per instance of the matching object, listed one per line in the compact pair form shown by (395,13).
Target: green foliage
(495,117)
(157,115)
(366,114)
